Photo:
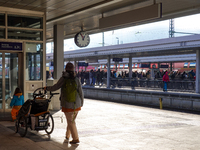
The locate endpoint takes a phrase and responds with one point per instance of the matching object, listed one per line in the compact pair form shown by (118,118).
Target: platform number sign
(118,59)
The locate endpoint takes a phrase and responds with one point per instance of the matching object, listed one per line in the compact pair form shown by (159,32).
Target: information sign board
(11,46)
(164,66)
(118,59)
(82,64)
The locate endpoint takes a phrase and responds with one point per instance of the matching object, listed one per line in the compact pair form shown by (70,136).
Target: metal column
(130,67)
(58,51)
(3,82)
(171,28)
(75,66)
(108,72)
(170,66)
(197,71)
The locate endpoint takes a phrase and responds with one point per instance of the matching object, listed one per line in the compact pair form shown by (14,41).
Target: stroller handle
(39,93)
(52,94)
(42,94)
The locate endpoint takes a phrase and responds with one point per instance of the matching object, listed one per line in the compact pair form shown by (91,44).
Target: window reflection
(2,33)
(34,61)
(2,20)
(26,22)
(1,81)
(11,76)
(24,34)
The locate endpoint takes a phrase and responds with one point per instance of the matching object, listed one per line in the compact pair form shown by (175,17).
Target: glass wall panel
(24,35)
(2,19)
(1,97)
(11,76)
(2,33)
(34,61)
(29,96)
(49,47)
(26,22)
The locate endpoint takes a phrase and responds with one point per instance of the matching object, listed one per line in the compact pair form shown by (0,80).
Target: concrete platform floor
(113,126)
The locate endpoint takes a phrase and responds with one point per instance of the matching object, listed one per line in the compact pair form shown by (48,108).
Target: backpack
(69,90)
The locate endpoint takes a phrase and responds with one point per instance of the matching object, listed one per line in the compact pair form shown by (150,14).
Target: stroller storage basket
(39,106)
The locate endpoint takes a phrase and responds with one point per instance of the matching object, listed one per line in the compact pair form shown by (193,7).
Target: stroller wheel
(49,124)
(22,126)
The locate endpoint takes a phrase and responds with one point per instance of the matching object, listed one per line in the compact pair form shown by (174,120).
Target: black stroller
(35,114)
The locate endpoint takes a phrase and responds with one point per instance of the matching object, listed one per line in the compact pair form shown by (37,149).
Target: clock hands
(83,37)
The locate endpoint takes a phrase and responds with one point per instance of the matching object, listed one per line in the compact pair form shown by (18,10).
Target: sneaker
(66,140)
(74,141)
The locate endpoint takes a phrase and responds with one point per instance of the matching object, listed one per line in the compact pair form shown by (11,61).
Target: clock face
(82,39)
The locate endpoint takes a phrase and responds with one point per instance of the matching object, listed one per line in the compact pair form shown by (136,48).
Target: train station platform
(113,126)
(152,98)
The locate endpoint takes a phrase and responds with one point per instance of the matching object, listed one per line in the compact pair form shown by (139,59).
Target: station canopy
(96,16)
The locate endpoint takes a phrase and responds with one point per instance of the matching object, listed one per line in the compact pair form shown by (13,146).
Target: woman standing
(70,109)
(165,80)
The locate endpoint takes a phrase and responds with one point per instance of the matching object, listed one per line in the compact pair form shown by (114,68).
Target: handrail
(178,85)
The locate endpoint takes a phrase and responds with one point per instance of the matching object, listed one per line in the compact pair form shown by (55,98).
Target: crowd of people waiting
(94,77)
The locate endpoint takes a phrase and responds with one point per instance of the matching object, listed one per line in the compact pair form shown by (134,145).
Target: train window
(99,67)
(132,65)
(102,66)
(126,66)
(136,65)
(112,67)
(185,65)
(192,65)
(121,66)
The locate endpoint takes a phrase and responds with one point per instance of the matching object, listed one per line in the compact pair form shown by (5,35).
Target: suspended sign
(145,65)
(154,65)
(11,46)
(82,64)
(118,59)
(164,66)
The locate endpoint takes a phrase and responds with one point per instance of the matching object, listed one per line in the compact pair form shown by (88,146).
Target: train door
(11,72)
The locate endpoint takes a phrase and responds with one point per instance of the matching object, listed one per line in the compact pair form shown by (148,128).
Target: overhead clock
(82,39)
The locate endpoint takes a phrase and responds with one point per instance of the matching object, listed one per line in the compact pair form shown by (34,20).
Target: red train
(144,67)
(177,66)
